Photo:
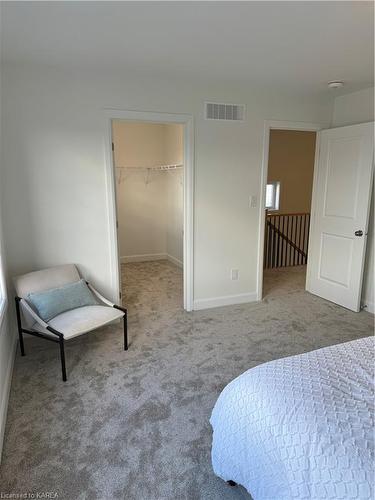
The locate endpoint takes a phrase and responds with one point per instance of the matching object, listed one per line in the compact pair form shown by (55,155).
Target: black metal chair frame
(59,337)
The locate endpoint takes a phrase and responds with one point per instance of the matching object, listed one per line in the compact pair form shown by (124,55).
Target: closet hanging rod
(159,167)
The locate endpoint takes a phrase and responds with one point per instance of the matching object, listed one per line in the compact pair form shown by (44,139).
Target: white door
(340,210)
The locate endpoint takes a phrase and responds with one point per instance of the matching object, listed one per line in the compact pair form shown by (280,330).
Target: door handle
(359,233)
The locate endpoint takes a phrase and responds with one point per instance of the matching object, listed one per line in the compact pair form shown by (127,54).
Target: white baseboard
(143,258)
(175,261)
(369,306)
(149,257)
(227,300)
(5,399)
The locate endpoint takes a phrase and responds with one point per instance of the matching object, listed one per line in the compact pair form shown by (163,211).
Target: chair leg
(62,354)
(125,330)
(22,347)
(231,483)
(19,326)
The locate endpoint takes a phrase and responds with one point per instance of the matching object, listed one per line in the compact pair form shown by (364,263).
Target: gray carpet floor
(135,425)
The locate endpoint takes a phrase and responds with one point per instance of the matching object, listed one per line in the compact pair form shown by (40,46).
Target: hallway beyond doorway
(283,280)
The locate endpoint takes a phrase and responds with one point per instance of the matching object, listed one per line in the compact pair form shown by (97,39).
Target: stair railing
(286,239)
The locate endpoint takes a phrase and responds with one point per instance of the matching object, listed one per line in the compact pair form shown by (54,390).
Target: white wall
(291,159)
(174,144)
(369,276)
(149,204)
(7,322)
(55,200)
(7,354)
(358,107)
(175,216)
(174,151)
(142,214)
(138,144)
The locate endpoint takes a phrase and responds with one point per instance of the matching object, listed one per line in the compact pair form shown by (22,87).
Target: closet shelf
(123,171)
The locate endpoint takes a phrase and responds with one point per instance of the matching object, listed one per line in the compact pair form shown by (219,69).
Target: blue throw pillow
(51,303)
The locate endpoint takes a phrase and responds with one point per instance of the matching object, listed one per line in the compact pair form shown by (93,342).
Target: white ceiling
(299,45)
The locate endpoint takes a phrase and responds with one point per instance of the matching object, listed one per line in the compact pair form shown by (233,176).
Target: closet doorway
(148,160)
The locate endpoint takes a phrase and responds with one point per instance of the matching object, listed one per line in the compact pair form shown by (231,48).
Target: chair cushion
(45,279)
(50,303)
(82,320)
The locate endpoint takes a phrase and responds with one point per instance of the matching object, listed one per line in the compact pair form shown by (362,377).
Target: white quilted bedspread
(300,427)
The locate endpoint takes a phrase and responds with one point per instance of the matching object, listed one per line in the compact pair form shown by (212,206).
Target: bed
(300,427)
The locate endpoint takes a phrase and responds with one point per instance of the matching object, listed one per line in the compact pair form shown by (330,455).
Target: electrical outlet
(234,274)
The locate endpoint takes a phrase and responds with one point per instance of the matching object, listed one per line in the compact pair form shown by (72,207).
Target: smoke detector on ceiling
(335,84)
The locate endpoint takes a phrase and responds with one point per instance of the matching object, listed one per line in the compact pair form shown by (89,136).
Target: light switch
(253,201)
(234,274)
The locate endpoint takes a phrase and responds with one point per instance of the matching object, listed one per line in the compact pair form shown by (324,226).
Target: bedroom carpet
(135,425)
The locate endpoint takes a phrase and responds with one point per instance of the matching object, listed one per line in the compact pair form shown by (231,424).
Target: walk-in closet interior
(148,161)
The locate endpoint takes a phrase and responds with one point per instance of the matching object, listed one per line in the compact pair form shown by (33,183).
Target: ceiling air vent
(221,111)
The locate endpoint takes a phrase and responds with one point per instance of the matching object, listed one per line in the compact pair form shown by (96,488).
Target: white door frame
(268,126)
(188,257)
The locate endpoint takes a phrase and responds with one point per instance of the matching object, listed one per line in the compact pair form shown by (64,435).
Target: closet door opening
(149,166)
